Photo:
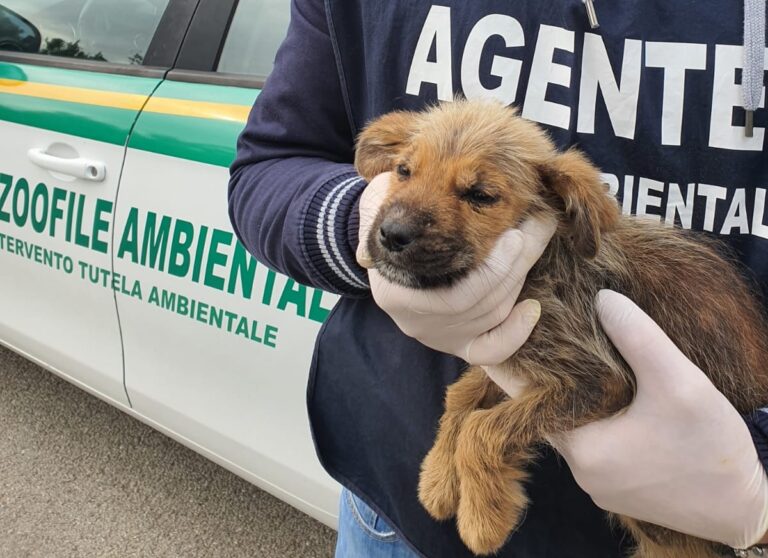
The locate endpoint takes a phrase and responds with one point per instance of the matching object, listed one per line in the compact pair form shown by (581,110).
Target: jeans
(362,534)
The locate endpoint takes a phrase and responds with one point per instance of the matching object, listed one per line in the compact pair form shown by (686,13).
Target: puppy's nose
(396,234)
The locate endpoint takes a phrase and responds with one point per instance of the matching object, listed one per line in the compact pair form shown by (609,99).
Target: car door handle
(94,171)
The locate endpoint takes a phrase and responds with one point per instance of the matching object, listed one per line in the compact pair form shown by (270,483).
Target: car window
(257,30)
(117,31)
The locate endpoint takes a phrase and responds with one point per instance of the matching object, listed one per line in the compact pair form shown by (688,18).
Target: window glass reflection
(117,31)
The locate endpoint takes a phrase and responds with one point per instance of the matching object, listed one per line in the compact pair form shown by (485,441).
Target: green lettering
(7,181)
(202,312)
(154,297)
(242,327)
(269,287)
(243,268)
(317,312)
(56,213)
(183,235)
(217,317)
(129,243)
(202,237)
(218,237)
(118,282)
(155,241)
(70,214)
(182,305)
(101,225)
(169,300)
(22,186)
(230,318)
(270,336)
(83,268)
(80,238)
(255,332)
(136,290)
(39,196)
(294,293)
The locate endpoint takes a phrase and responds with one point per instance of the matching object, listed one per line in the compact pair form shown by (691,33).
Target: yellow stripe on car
(129,101)
(80,95)
(198,109)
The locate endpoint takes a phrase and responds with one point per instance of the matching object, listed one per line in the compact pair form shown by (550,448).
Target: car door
(74,75)
(217,347)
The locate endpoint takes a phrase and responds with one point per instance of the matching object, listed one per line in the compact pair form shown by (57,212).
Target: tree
(60,47)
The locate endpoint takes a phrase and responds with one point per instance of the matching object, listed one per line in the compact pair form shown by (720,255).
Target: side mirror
(17,34)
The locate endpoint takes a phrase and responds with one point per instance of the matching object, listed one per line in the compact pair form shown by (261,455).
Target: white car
(119,270)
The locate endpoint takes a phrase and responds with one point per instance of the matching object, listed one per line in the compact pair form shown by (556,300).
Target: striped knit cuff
(757,422)
(330,234)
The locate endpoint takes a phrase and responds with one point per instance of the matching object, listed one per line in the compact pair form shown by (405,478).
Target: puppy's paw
(492,499)
(486,518)
(439,485)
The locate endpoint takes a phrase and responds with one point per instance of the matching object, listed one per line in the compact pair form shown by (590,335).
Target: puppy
(465,172)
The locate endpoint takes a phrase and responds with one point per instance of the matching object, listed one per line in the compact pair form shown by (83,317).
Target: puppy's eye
(403,171)
(478,195)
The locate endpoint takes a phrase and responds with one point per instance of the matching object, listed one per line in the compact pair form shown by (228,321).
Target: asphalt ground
(80,479)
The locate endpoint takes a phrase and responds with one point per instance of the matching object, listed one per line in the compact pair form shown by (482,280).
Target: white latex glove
(476,319)
(680,456)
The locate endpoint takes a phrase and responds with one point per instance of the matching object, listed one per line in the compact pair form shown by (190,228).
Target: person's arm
(293,191)
(680,455)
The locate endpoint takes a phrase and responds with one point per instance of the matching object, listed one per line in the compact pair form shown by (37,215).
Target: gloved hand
(476,319)
(680,456)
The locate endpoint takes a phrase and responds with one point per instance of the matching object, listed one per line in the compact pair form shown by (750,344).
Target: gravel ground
(80,479)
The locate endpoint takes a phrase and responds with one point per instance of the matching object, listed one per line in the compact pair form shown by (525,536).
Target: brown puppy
(464,173)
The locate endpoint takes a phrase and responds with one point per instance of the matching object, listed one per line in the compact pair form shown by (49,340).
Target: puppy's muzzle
(411,248)
(402,228)
(397,234)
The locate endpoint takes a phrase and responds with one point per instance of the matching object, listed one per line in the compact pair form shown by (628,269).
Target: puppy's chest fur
(680,280)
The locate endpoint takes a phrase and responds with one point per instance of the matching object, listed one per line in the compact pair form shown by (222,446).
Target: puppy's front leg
(492,451)
(439,483)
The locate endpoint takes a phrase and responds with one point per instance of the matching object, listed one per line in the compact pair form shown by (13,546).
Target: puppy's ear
(576,188)
(381,140)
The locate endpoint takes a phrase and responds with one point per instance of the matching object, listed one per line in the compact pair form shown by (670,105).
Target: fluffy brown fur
(464,173)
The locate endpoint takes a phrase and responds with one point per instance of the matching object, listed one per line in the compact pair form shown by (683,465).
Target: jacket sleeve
(293,192)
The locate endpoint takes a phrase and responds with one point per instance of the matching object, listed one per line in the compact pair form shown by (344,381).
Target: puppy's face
(462,174)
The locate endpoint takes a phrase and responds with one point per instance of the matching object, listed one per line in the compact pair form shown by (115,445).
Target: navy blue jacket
(652,96)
